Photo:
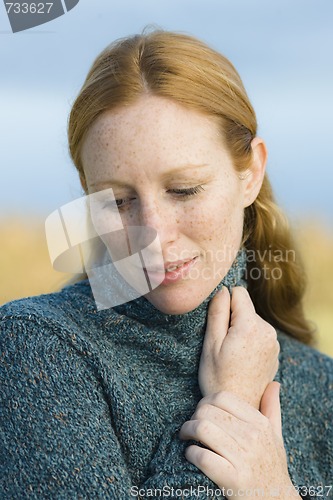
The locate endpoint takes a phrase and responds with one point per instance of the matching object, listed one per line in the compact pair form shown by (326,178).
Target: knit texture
(92,402)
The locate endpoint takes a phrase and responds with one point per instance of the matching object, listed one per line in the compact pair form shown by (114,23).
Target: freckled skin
(141,146)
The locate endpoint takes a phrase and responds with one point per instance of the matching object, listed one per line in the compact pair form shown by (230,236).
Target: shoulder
(70,301)
(72,308)
(65,324)
(33,328)
(59,335)
(304,363)
(61,321)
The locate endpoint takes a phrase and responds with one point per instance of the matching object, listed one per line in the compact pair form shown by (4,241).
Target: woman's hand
(241,358)
(244,447)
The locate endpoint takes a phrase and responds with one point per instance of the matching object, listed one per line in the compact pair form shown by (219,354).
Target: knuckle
(222,398)
(219,398)
(202,428)
(202,411)
(267,332)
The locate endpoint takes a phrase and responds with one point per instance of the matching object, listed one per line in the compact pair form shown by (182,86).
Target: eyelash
(181,192)
(188,191)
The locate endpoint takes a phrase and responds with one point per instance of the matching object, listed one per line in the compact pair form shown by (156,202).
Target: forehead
(150,140)
(153,121)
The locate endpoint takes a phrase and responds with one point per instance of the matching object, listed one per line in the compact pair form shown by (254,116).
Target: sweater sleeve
(171,473)
(57,438)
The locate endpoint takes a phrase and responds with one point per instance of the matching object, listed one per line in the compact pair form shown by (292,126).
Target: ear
(254,176)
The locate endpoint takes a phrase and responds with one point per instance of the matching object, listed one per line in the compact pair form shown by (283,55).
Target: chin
(176,301)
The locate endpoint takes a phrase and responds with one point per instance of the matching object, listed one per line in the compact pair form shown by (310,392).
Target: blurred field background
(25,269)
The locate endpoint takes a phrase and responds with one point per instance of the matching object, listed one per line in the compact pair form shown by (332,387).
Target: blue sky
(283,50)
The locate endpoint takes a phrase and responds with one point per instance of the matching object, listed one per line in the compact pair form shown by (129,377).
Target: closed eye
(120,203)
(185,192)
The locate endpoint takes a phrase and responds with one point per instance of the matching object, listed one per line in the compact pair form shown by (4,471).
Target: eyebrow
(166,175)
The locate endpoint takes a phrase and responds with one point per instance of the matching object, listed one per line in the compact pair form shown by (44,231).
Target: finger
(217,320)
(270,406)
(234,427)
(241,303)
(217,468)
(212,436)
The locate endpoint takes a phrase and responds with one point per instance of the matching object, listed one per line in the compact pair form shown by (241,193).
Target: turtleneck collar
(145,336)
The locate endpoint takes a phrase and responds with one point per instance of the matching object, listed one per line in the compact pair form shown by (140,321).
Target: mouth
(169,267)
(173,271)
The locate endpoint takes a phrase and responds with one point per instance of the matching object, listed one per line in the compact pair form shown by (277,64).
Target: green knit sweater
(91,402)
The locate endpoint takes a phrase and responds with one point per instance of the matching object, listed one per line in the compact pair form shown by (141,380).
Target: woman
(102,404)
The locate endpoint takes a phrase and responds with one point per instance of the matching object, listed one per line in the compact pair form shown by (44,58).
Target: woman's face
(169,170)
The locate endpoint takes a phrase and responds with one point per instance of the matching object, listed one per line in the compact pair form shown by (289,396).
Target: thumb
(270,406)
(217,320)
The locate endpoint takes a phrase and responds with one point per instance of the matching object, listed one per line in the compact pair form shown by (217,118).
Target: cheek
(216,221)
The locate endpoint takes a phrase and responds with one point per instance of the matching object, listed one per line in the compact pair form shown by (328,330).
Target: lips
(172,266)
(173,272)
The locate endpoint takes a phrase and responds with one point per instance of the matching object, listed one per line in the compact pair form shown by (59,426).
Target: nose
(157,218)
(161,217)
